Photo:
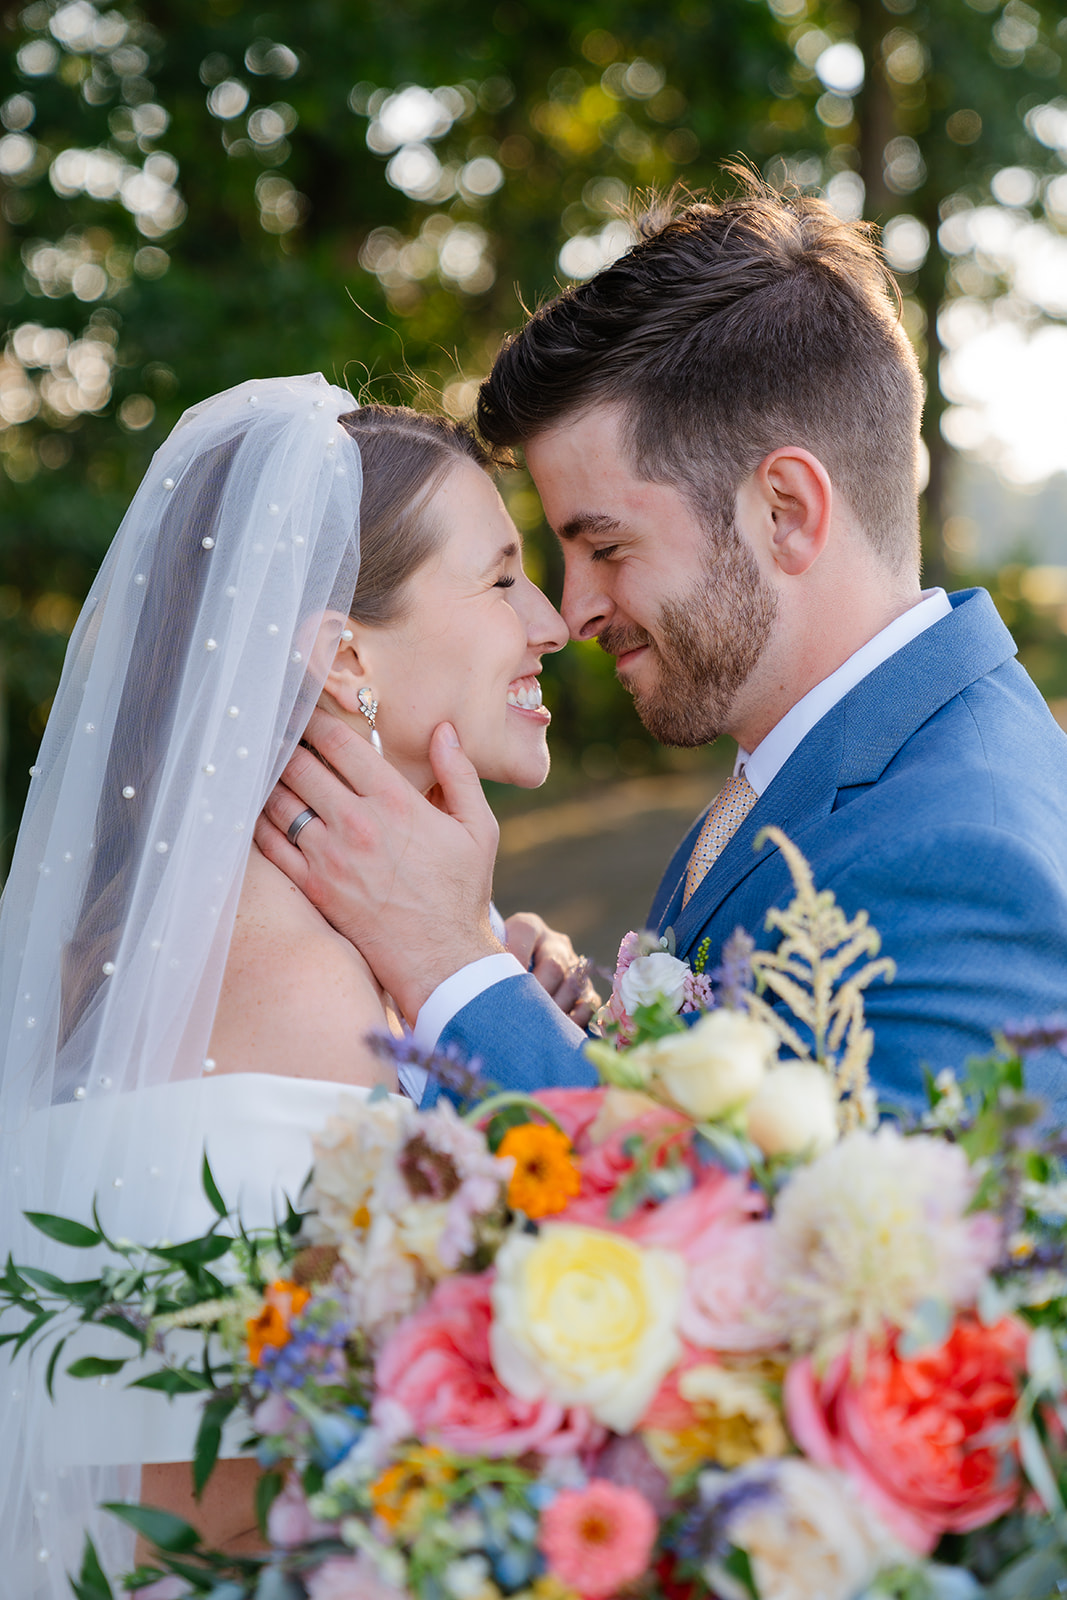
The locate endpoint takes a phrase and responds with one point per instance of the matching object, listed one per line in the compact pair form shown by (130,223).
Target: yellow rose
(586,1318)
(716,1066)
(794,1112)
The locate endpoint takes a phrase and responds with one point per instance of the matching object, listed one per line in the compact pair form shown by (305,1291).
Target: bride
(162,985)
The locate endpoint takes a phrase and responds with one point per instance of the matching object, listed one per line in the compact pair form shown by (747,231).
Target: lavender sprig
(733,978)
(462,1078)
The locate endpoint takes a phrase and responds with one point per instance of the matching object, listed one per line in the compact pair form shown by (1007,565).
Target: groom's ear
(794,499)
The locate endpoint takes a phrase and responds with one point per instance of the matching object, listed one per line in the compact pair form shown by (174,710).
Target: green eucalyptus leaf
(95,1367)
(32,1328)
(211,1188)
(50,1370)
(196,1252)
(91,1584)
(64,1230)
(79,1293)
(122,1325)
(268,1487)
(172,1381)
(208,1440)
(161,1528)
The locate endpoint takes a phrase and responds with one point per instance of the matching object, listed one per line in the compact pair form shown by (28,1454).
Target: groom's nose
(585,605)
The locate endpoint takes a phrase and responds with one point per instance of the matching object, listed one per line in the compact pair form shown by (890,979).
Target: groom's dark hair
(727,330)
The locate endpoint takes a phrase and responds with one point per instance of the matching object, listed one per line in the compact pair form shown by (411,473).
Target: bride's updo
(406,455)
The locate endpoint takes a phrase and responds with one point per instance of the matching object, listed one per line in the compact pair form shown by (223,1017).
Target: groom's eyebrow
(589,522)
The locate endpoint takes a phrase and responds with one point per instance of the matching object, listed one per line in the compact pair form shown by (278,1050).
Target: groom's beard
(707,647)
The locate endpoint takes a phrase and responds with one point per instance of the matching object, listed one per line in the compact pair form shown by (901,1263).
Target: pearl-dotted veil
(190,675)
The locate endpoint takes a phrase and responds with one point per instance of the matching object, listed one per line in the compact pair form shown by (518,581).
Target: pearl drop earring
(368,705)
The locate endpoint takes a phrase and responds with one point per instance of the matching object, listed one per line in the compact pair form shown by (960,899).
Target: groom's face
(684,608)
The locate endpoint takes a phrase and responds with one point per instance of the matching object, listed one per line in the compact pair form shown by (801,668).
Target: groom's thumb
(461,787)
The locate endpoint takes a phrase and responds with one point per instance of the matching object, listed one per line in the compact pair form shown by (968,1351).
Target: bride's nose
(545,628)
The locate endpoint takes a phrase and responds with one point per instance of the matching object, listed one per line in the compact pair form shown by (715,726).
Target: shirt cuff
(449,998)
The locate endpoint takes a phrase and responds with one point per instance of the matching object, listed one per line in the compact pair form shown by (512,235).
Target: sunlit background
(377,189)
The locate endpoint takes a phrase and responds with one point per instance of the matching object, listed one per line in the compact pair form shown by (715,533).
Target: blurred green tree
(948,121)
(193,192)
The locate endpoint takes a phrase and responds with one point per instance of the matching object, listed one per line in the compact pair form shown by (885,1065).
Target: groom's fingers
(351,756)
(461,788)
(271,834)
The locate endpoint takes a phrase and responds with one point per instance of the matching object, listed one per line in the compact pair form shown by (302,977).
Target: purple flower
(734,976)
(1030,1036)
(449,1065)
(314,1351)
(705,1534)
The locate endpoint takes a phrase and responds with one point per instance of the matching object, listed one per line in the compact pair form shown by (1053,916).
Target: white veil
(188,681)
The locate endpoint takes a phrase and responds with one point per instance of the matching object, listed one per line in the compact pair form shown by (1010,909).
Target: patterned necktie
(733,805)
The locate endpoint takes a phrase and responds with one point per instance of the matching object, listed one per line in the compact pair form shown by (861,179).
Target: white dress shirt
(759,766)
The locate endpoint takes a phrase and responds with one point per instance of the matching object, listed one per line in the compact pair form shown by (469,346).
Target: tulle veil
(189,678)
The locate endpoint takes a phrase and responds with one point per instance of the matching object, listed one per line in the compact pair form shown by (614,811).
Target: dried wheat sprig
(818,946)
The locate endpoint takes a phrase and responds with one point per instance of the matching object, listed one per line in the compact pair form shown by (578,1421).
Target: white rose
(794,1111)
(717,1065)
(813,1538)
(651,977)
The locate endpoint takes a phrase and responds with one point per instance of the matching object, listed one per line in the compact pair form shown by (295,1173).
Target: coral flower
(282,1302)
(545,1176)
(598,1538)
(927,1438)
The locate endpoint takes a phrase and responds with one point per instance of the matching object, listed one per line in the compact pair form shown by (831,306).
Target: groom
(723,427)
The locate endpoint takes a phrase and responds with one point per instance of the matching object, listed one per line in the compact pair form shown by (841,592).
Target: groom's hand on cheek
(406,881)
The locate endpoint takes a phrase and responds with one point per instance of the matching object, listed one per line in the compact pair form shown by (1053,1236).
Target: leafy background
(194,192)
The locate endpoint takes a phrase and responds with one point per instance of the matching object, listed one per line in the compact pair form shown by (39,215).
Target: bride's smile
(466,646)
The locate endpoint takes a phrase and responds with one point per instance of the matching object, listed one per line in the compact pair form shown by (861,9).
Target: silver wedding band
(300,821)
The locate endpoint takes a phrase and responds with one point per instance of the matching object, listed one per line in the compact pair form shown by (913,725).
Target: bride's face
(468,646)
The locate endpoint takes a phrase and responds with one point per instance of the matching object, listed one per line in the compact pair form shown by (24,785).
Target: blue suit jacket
(933,795)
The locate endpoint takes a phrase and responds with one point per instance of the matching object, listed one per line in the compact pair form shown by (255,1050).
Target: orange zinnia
(545,1176)
(412,1488)
(282,1301)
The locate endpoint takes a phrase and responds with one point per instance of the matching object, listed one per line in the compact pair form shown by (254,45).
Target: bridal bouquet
(705,1330)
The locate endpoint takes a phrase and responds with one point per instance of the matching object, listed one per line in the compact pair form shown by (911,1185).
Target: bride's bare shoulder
(296,997)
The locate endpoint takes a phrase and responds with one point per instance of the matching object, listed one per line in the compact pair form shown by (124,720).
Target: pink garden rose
(732,1302)
(435,1381)
(604,1166)
(920,1436)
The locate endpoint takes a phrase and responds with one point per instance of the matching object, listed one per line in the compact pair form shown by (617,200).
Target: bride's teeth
(526,699)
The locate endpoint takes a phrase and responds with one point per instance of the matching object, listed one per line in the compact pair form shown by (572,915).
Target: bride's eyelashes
(504,583)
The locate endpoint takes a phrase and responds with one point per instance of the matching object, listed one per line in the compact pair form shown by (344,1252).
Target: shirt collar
(765,762)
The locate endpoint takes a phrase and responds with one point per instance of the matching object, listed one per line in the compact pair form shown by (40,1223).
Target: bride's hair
(405,455)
